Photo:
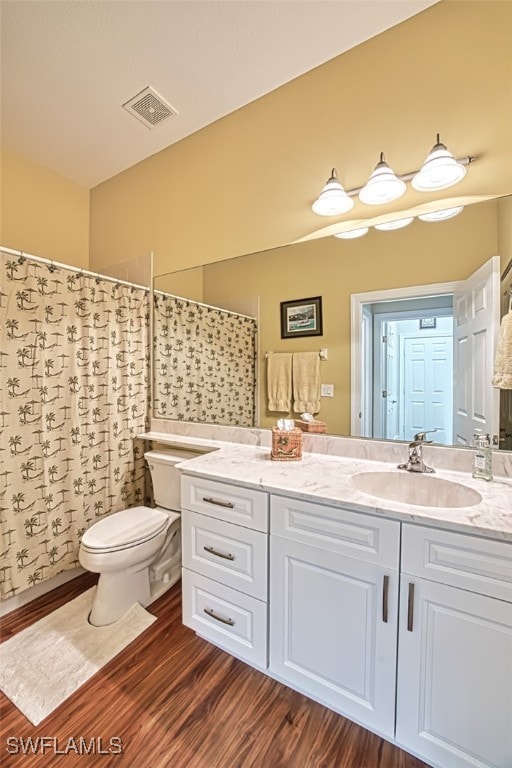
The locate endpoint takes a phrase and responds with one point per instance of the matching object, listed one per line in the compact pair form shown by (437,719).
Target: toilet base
(116,593)
(160,586)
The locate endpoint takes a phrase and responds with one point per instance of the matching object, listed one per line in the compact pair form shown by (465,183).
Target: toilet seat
(125,529)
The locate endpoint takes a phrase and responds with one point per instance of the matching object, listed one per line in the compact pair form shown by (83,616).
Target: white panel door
(454,685)
(428,385)
(476,322)
(333,631)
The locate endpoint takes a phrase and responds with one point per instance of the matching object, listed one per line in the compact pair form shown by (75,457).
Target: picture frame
(427,322)
(301,317)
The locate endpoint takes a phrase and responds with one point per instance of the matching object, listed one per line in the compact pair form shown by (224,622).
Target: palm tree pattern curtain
(204,363)
(74,392)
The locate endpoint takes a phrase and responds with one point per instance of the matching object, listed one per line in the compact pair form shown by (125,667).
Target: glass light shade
(332,200)
(446,213)
(352,233)
(397,224)
(383,186)
(439,171)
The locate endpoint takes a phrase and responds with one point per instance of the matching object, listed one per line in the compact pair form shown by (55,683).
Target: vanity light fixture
(396,224)
(446,213)
(383,186)
(332,200)
(439,171)
(352,233)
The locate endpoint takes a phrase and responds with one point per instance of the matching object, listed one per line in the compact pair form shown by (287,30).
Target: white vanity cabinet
(401,627)
(225,566)
(334,601)
(454,685)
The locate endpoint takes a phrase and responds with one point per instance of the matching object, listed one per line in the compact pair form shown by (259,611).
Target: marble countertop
(327,479)
(187,442)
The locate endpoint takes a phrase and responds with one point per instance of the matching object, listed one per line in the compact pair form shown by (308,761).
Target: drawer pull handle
(385,593)
(225,555)
(216,616)
(410,608)
(218,502)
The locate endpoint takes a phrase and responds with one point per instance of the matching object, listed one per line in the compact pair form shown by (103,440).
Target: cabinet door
(333,631)
(454,693)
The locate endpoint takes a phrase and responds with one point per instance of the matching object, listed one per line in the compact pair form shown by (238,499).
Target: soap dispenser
(482,460)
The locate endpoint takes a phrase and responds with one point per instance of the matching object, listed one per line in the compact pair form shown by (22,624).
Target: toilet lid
(125,529)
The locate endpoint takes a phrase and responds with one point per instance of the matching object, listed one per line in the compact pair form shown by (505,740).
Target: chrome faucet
(415,461)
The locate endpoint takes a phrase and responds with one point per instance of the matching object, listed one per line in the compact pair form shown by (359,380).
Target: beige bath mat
(45,663)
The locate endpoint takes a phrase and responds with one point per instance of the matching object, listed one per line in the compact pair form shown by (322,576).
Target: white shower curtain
(73,393)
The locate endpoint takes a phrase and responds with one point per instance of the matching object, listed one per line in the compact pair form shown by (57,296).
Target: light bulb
(396,224)
(446,213)
(332,200)
(383,186)
(352,233)
(439,171)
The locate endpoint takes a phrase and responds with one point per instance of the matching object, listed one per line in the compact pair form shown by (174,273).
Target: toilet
(137,551)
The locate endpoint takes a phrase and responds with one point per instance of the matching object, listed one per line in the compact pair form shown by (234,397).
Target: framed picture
(427,322)
(302,317)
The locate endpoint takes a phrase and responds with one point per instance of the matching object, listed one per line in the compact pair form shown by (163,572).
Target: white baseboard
(17,601)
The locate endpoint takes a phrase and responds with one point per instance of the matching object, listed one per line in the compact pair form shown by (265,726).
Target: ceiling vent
(149,108)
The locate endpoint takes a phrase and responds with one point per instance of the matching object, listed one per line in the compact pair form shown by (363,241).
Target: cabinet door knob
(213,551)
(385,595)
(216,616)
(410,608)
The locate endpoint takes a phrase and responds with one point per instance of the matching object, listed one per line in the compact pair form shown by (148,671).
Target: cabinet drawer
(233,621)
(460,560)
(225,552)
(354,534)
(232,503)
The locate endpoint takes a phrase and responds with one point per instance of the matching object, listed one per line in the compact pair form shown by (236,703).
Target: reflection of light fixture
(333,199)
(396,224)
(446,213)
(440,170)
(383,186)
(352,233)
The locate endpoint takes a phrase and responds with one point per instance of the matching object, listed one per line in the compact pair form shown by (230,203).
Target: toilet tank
(165,476)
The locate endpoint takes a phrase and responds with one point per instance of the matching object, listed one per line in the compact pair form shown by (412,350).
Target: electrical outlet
(327,390)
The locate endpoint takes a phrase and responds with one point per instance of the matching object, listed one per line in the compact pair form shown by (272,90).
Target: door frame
(357,300)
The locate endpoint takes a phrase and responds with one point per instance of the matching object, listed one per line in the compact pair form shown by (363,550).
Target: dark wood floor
(176,701)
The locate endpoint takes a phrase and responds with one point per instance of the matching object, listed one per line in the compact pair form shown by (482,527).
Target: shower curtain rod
(202,304)
(69,267)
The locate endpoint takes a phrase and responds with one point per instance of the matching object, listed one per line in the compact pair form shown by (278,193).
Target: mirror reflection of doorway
(413,368)
(475,326)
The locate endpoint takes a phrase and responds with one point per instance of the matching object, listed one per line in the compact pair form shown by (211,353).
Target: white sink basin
(423,490)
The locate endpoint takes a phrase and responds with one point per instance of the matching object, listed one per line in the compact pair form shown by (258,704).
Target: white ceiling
(69,65)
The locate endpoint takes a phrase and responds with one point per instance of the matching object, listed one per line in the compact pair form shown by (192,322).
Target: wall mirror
(210,364)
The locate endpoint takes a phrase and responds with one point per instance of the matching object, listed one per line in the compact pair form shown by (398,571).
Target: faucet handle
(420,437)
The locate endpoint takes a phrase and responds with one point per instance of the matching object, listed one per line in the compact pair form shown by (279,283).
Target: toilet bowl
(137,551)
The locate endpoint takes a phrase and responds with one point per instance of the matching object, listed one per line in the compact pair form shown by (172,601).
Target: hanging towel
(279,381)
(306,382)
(502,378)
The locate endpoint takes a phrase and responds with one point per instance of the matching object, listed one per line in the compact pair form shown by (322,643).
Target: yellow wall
(188,284)
(505,231)
(43,213)
(246,182)
(334,269)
